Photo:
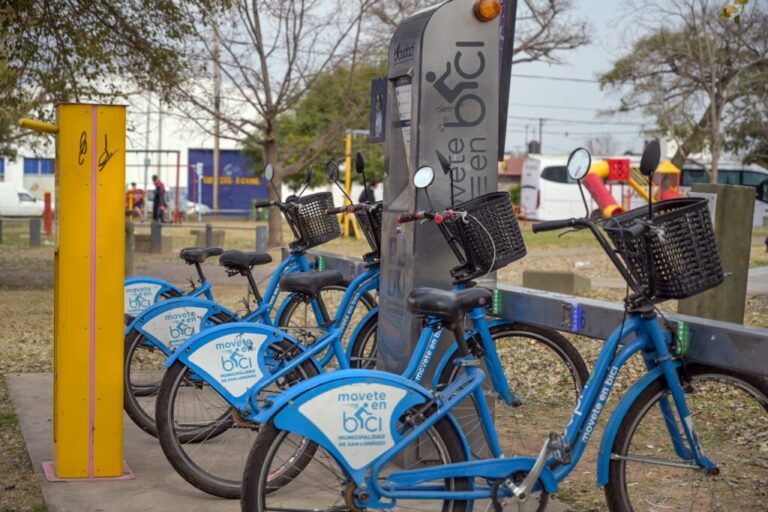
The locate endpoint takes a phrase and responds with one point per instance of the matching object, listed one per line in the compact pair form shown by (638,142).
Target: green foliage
(59,50)
(333,103)
(514,194)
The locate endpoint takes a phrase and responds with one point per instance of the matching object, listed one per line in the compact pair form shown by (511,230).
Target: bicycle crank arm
(521,491)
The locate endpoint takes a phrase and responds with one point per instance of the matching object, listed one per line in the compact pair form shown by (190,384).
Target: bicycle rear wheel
(545,374)
(201,434)
(142,373)
(322,484)
(298,318)
(730,416)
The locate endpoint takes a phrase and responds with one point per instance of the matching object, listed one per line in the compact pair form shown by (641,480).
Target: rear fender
(171,322)
(233,358)
(353,414)
(142,292)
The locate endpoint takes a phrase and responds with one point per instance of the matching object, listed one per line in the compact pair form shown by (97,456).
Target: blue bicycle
(268,362)
(684,436)
(157,331)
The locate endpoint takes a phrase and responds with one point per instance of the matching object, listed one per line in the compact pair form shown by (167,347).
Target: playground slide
(620,170)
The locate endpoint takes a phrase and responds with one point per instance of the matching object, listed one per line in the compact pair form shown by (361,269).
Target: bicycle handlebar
(350,208)
(437,218)
(552,225)
(265,204)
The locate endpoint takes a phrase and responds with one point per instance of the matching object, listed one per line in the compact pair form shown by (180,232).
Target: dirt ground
(26,337)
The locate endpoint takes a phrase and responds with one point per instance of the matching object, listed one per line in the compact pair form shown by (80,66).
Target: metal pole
(261,238)
(146,156)
(1,231)
(208,235)
(541,136)
(47,214)
(34,232)
(177,215)
(216,121)
(348,175)
(156,238)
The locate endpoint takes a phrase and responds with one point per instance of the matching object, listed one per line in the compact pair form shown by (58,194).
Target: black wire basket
(307,217)
(488,233)
(683,251)
(369,220)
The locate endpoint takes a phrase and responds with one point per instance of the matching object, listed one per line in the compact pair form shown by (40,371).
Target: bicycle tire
(216,478)
(307,330)
(365,346)
(742,431)
(143,415)
(257,471)
(537,360)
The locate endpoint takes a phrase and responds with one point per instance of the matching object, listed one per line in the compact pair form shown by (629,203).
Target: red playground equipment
(604,174)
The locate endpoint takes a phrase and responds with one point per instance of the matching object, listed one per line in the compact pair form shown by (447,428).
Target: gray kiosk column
(445,69)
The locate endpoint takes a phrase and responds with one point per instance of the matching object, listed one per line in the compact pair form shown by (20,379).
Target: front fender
(353,414)
(171,322)
(142,292)
(612,427)
(233,358)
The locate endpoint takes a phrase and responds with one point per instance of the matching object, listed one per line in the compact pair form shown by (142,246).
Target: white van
(18,202)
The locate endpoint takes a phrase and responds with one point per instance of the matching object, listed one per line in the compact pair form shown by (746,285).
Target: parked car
(189,209)
(18,202)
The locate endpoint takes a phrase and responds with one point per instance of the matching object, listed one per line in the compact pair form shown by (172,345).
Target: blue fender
(358,328)
(142,292)
(450,353)
(351,413)
(612,427)
(281,308)
(169,323)
(234,358)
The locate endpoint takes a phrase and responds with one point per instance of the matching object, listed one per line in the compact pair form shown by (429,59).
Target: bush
(514,194)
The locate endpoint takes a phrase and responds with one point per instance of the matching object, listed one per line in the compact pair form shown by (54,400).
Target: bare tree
(544,28)
(604,145)
(697,75)
(270,54)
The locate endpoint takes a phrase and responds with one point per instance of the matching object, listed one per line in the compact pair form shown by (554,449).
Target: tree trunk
(692,141)
(275,238)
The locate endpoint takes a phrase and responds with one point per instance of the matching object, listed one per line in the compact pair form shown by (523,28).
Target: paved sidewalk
(157,487)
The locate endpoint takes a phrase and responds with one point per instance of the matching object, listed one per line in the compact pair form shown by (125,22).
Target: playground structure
(606,174)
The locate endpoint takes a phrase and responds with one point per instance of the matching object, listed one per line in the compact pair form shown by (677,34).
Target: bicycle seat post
(253,286)
(200,272)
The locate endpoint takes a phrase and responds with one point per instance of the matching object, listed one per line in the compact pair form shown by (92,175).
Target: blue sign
(238,187)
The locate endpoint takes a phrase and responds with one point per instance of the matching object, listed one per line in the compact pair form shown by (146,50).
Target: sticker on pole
(232,360)
(357,418)
(175,326)
(140,296)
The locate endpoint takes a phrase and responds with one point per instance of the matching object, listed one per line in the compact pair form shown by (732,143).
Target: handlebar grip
(410,217)
(350,208)
(552,225)
(264,204)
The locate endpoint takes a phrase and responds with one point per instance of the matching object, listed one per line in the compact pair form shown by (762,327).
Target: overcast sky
(579,101)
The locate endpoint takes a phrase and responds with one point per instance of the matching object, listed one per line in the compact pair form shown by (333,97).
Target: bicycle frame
(247,402)
(648,339)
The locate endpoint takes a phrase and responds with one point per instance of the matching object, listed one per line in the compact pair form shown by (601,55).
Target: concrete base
(217,237)
(558,282)
(49,470)
(142,243)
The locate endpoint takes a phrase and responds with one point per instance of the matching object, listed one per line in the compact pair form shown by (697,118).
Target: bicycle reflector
(487,10)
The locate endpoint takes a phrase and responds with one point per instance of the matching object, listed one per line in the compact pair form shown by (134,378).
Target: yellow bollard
(88,292)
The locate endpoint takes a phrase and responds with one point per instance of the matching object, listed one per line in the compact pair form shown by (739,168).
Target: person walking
(368,195)
(159,202)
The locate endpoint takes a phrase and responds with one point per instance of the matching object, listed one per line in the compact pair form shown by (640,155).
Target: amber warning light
(487,10)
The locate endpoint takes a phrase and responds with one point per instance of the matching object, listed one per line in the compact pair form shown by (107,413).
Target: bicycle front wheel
(730,416)
(545,374)
(321,483)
